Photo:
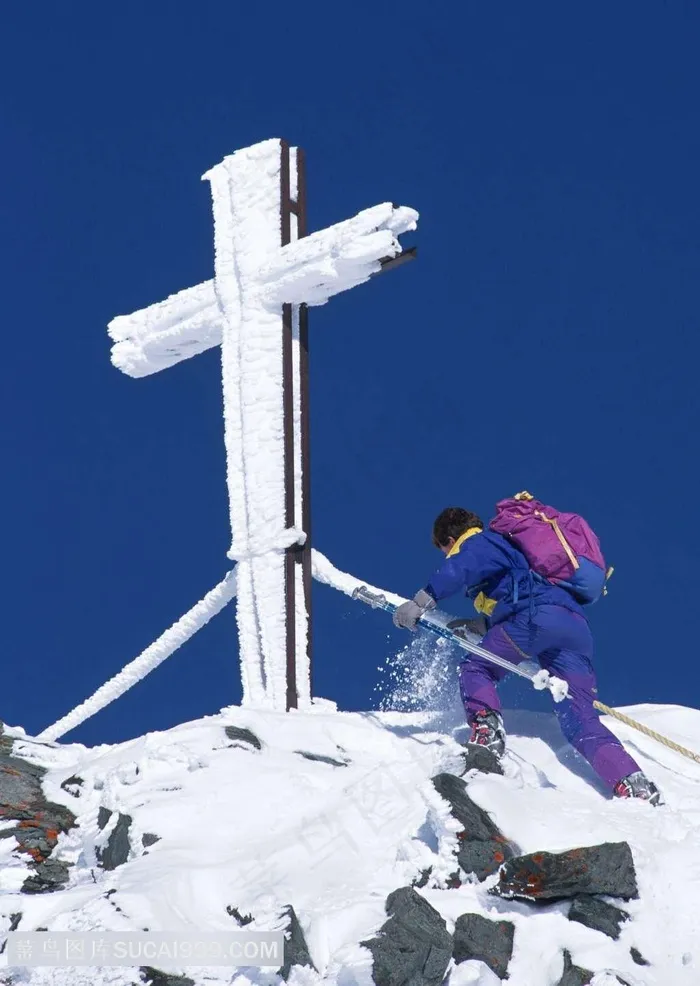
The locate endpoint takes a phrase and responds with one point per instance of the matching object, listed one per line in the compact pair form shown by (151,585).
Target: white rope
(168,642)
(325,571)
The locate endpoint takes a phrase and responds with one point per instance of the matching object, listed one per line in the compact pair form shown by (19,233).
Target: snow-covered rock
(245,817)
(598,914)
(605,869)
(479,938)
(33,824)
(413,946)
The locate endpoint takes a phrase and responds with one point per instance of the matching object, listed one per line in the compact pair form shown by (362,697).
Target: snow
(259,829)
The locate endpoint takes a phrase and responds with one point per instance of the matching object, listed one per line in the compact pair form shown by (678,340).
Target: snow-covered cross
(266,272)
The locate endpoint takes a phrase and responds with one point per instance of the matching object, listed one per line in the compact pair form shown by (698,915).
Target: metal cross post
(267,272)
(297,445)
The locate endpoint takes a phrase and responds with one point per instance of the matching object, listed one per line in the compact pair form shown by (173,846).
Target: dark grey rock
(574,975)
(103,816)
(6,742)
(48,875)
(39,822)
(481,759)
(296,951)
(73,785)
(605,869)
(14,924)
(482,858)
(476,937)
(598,915)
(321,758)
(241,919)
(109,897)
(24,767)
(476,823)
(422,879)
(35,841)
(413,948)
(20,784)
(154,977)
(242,735)
(638,957)
(149,839)
(57,817)
(116,851)
(482,846)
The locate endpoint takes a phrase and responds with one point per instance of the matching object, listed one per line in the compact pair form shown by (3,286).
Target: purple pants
(562,643)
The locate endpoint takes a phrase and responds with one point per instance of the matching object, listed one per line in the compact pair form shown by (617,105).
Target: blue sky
(546,338)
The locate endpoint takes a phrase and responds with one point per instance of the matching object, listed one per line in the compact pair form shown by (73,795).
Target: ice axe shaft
(436,621)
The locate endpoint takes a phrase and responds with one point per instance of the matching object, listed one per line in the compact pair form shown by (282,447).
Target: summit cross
(267,272)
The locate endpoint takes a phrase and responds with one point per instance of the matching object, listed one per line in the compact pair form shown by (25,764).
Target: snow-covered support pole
(168,642)
(325,572)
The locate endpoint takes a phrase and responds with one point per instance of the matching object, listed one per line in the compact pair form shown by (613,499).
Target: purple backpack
(559,547)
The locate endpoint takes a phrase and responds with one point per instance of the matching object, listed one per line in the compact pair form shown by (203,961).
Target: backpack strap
(608,574)
(562,540)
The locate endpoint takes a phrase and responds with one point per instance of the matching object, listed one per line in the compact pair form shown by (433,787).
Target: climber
(526,616)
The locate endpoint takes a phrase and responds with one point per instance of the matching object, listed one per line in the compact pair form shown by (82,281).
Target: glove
(476,626)
(407,614)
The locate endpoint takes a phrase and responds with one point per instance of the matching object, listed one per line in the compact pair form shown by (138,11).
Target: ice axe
(437,622)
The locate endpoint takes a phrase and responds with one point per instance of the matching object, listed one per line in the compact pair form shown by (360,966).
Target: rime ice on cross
(266,272)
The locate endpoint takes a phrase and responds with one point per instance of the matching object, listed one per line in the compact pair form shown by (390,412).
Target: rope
(647,732)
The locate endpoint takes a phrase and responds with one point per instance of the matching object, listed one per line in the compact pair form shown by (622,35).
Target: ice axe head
(373,599)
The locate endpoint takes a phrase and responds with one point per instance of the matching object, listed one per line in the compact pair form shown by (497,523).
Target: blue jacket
(496,577)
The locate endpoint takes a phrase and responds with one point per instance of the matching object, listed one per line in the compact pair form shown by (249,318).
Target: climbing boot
(638,785)
(488,732)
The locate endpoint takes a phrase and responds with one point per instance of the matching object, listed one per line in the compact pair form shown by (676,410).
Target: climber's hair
(453,522)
